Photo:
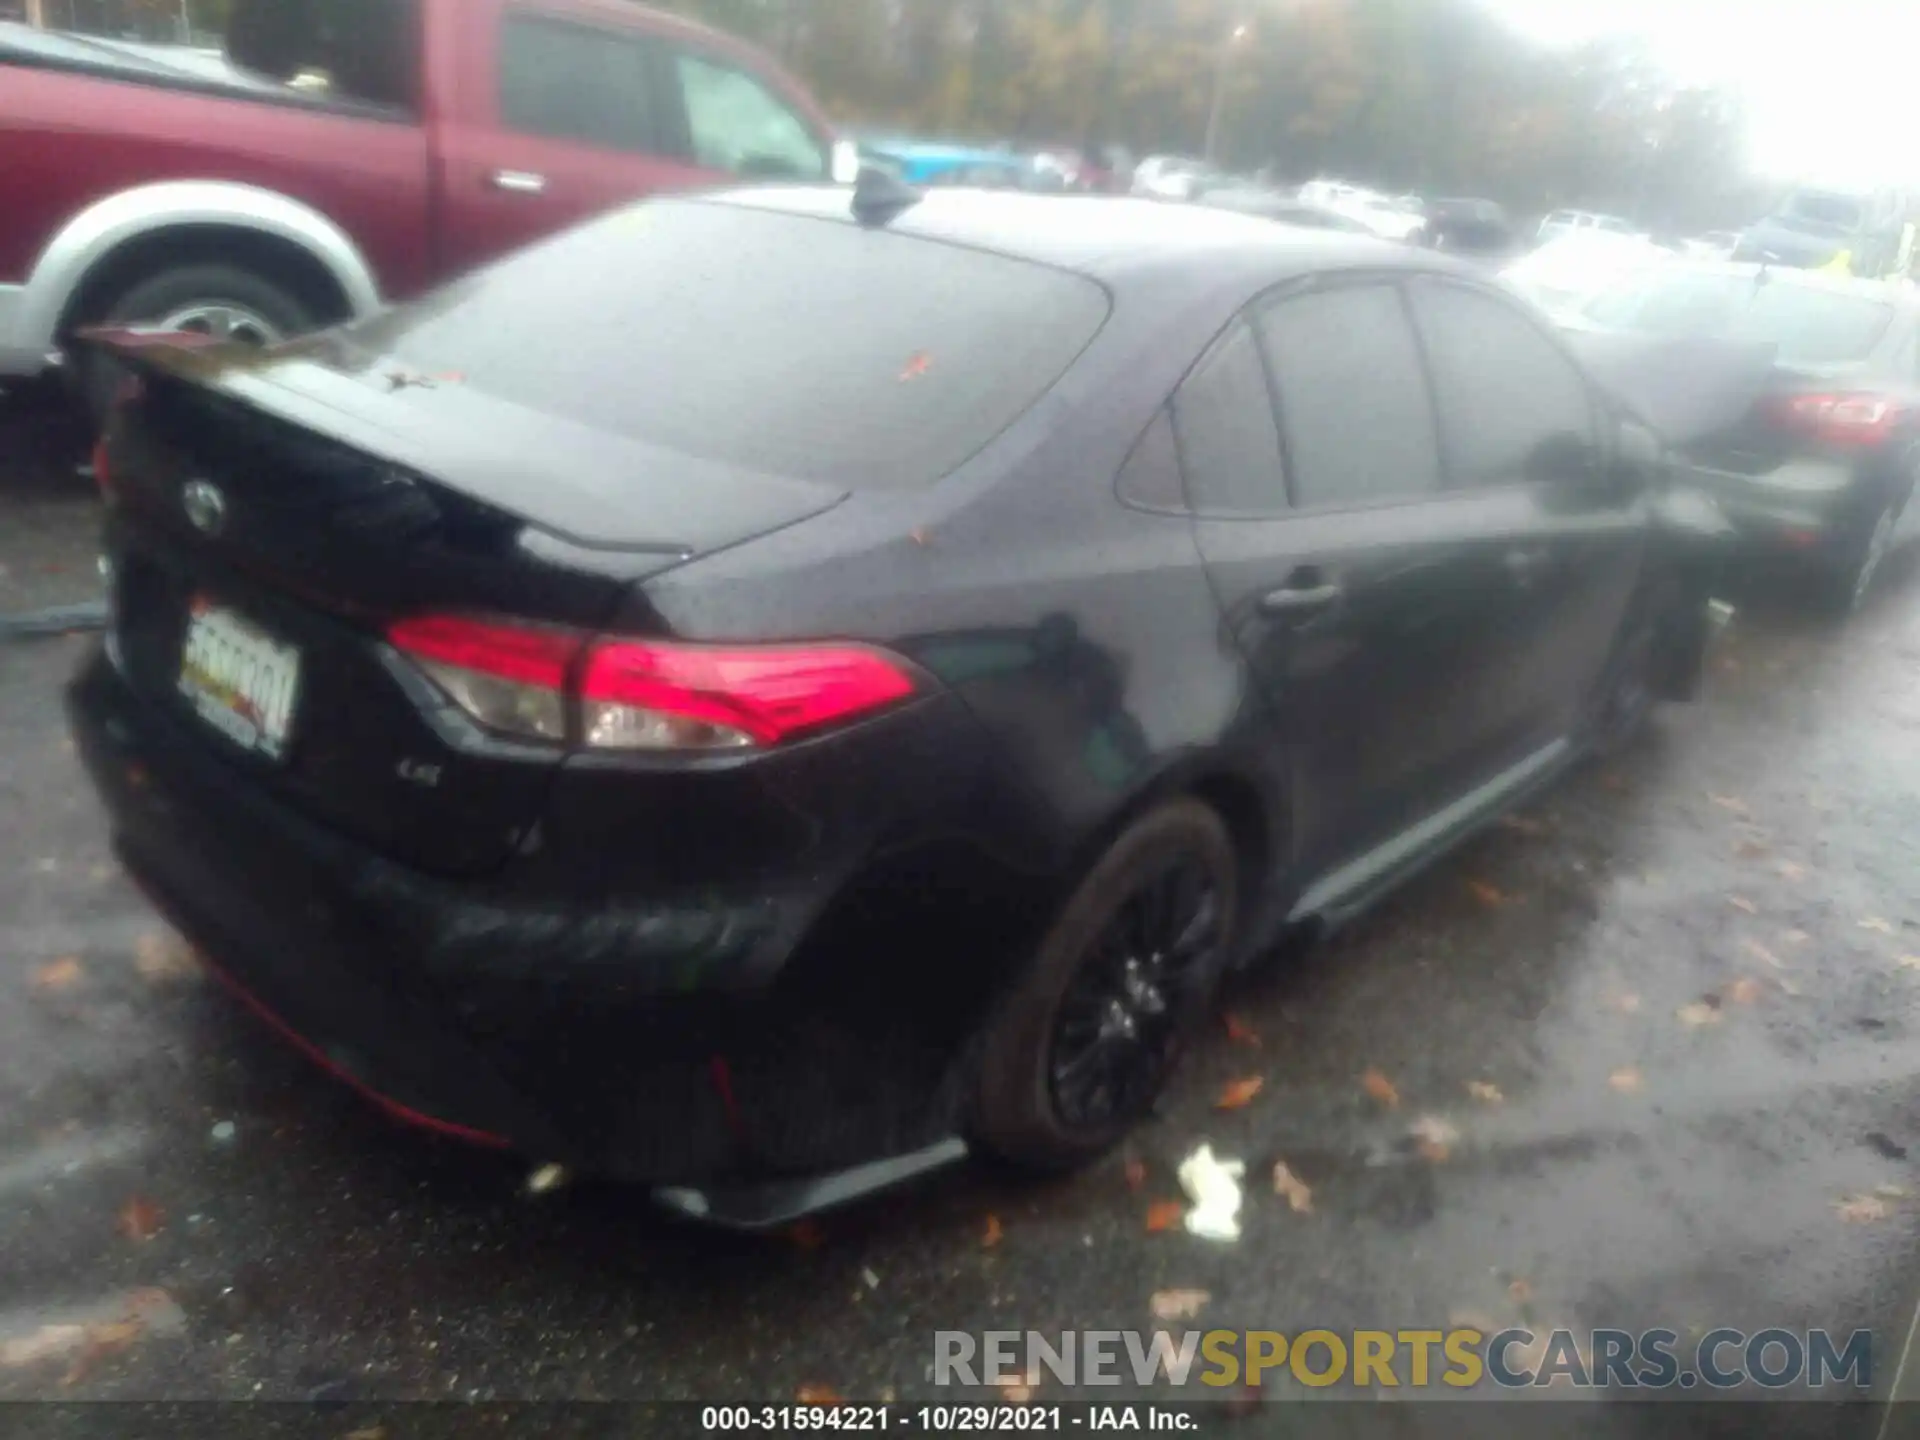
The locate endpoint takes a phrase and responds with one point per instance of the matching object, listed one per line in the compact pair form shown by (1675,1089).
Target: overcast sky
(1832,86)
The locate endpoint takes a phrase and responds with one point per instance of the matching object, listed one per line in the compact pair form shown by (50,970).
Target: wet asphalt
(1659,1033)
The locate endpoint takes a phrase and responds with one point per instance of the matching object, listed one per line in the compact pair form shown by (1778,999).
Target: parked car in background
(930,162)
(1567,222)
(562,701)
(1566,273)
(1469,227)
(1812,227)
(1171,177)
(313,171)
(1791,395)
(1277,205)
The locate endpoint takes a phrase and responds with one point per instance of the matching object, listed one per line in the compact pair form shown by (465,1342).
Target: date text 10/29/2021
(948,1419)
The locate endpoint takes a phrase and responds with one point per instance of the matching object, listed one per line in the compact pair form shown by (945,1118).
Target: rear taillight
(1849,419)
(509,678)
(647,695)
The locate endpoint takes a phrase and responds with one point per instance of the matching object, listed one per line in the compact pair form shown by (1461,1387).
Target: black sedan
(759,694)
(1791,396)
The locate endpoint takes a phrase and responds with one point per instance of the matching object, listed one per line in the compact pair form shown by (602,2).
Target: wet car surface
(1683,972)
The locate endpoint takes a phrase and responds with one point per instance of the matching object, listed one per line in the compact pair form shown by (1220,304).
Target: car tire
(1846,585)
(1113,993)
(212,298)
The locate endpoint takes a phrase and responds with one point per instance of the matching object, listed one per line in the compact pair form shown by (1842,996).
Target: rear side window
(1353,397)
(1229,444)
(578,82)
(794,345)
(1513,409)
(1810,324)
(736,124)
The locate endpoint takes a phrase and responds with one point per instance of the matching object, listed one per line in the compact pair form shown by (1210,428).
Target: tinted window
(346,49)
(1353,399)
(1512,407)
(1151,474)
(1811,324)
(735,124)
(1229,445)
(574,82)
(807,347)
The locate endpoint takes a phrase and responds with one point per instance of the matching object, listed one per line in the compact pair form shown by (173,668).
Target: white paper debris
(1213,1185)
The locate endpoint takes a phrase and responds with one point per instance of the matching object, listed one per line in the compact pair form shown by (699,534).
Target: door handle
(518,182)
(1300,599)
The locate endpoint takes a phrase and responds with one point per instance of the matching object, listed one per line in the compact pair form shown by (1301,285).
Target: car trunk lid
(273,517)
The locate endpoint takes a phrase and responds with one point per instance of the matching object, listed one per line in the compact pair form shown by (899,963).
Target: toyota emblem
(206,507)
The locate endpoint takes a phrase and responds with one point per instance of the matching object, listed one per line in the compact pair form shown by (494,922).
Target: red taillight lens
(637,695)
(647,695)
(1845,418)
(507,677)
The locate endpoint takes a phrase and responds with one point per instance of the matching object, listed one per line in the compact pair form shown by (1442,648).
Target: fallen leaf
(917,365)
(1381,1089)
(918,535)
(1436,1138)
(1490,896)
(1136,1172)
(1016,1392)
(546,1177)
(1874,922)
(1238,1093)
(1522,825)
(102,1341)
(1486,1092)
(1792,871)
(1787,987)
(992,1237)
(1730,802)
(1627,1003)
(1743,991)
(46,1343)
(1179,1304)
(1626,1080)
(56,975)
(1520,1292)
(1750,850)
(1891,1192)
(1740,902)
(817,1395)
(164,957)
(1795,937)
(1697,1014)
(807,1234)
(1862,1209)
(1285,1182)
(1908,962)
(1760,952)
(1164,1215)
(1241,1033)
(139,1218)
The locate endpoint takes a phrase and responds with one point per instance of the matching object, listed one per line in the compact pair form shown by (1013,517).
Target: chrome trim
(105,225)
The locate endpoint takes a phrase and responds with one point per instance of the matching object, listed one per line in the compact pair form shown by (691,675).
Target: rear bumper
(583,1040)
(1809,510)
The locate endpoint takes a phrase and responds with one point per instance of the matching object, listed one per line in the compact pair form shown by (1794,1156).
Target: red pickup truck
(337,153)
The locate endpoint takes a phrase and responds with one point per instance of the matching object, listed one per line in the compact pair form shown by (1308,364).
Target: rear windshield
(805,347)
(1810,326)
(1834,214)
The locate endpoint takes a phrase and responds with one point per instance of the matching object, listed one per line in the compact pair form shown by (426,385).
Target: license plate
(239,679)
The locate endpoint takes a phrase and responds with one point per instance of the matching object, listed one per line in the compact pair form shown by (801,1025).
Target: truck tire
(212,298)
(1127,970)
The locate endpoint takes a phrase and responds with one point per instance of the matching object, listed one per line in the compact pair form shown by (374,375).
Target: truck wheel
(223,301)
(1086,1039)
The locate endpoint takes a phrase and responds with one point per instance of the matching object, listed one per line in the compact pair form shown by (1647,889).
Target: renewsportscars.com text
(1459,1358)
